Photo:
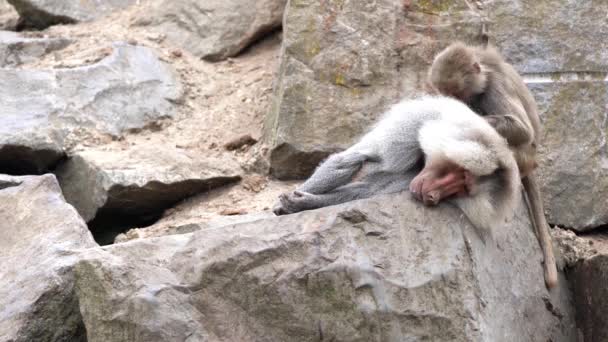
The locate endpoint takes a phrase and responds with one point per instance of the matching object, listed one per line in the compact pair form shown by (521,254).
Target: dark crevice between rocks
(130,207)
(8,184)
(22,160)
(32,18)
(599,230)
(265,35)
(603,230)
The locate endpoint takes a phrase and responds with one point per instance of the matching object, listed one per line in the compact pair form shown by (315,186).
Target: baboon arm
(511,128)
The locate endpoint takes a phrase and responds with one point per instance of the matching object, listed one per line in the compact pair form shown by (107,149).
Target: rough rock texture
(40,14)
(574,151)
(217,223)
(590,293)
(571,37)
(8,16)
(384,269)
(39,236)
(133,187)
(572,248)
(214,29)
(46,111)
(16,49)
(339,71)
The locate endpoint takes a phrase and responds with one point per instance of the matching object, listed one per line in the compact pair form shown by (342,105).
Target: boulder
(117,189)
(382,269)
(590,292)
(16,49)
(570,39)
(47,111)
(573,151)
(8,16)
(214,29)
(339,72)
(344,63)
(40,14)
(40,235)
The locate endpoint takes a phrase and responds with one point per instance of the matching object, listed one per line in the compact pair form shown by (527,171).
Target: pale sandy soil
(221,101)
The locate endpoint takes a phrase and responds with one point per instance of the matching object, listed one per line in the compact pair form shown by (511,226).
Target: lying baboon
(491,87)
(465,161)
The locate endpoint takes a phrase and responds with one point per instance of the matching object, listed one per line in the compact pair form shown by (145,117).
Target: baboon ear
(476,67)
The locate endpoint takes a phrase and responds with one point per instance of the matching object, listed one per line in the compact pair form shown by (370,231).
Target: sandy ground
(221,101)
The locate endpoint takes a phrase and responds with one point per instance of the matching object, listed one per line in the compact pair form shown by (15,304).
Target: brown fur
(482,79)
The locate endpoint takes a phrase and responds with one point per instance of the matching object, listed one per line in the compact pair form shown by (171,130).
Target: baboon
(465,161)
(482,79)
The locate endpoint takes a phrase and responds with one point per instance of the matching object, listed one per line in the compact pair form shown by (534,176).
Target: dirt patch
(221,101)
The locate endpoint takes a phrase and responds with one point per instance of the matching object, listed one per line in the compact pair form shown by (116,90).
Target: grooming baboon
(491,87)
(462,154)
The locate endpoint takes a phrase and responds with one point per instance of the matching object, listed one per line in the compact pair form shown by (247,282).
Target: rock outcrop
(8,16)
(339,71)
(214,29)
(40,14)
(384,269)
(40,235)
(47,111)
(16,49)
(133,187)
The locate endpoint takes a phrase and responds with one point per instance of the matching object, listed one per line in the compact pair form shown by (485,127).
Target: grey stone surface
(40,14)
(574,151)
(8,16)
(550,35)
(590,293)
(214,29)
(139,183)
(46,111)
(384,269)
(40,235)
(16,49)
(343,63)
(217,223)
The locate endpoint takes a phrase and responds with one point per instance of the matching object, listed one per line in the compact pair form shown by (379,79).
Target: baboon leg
(297,201)
(334,172)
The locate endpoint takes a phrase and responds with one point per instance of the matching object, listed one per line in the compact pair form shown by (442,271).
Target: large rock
(46,111)
(16,49)
(8,16)
(120,189)
(384,269)
(338,72)
(570,39)
(574,153)
(41,14)
(590,277)
(344,63)
(214,29)
(39,237)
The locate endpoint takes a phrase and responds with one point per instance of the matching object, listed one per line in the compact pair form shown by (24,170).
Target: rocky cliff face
(116,129)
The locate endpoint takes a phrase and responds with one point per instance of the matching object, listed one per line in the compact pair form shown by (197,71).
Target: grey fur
(387,158)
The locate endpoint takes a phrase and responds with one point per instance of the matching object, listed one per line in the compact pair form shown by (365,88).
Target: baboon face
(456,73)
